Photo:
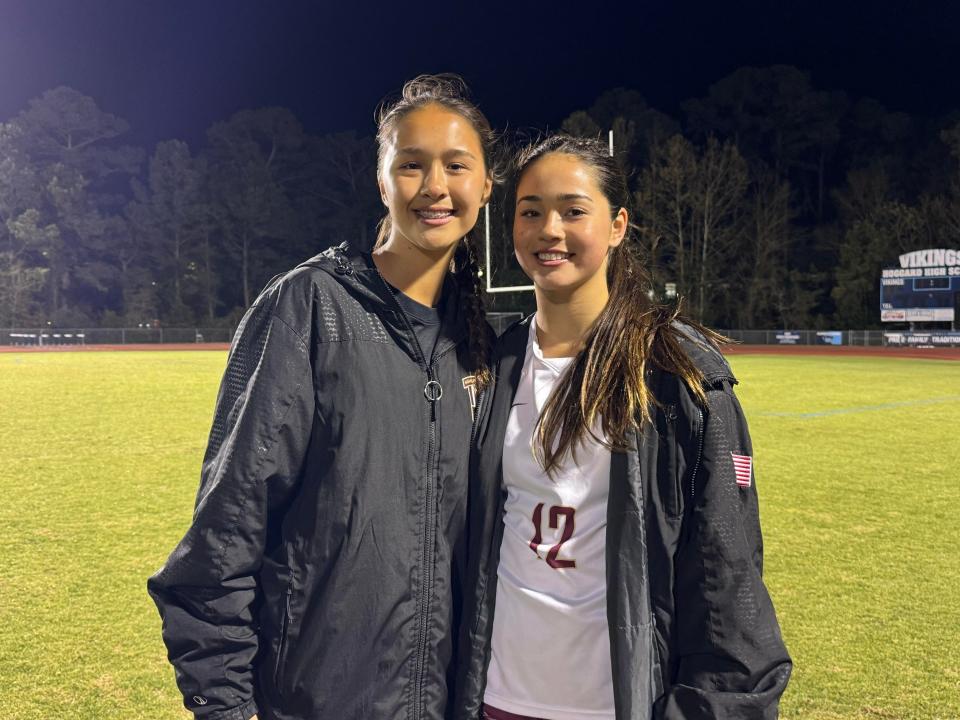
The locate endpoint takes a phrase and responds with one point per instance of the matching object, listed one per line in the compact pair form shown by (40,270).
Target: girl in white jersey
(615,537)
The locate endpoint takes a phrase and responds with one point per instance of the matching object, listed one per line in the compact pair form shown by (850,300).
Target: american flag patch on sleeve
(743,467)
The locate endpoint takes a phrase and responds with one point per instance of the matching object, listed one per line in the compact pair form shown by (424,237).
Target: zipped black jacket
(693,634)
(317,580)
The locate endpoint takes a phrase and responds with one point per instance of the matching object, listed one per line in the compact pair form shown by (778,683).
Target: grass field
(858,464)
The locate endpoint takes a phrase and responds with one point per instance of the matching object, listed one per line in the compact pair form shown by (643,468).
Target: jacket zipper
(475,428)
(432,391)
(429,536)
(426,586)
(693,476)
(474,432)
(670,413)
(282,645)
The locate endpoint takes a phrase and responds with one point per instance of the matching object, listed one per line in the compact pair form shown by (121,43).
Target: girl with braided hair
(323,572)
(426,233)
(615,537)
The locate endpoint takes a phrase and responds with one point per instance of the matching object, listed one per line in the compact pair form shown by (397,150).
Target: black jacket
(319,575)
(693,634)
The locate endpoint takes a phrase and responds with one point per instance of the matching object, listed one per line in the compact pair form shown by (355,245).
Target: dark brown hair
(450,92)
(606,380)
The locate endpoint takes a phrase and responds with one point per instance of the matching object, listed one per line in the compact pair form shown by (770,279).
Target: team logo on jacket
(470,385)
(743,467)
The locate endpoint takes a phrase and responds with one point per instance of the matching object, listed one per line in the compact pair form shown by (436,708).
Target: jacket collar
(512,345)
(508,356)
(356,271)
(705,356)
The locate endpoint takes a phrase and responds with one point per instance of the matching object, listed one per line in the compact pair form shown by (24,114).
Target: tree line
(767,203)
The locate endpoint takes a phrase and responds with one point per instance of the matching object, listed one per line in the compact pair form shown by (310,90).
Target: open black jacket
(693,634)
(320,574)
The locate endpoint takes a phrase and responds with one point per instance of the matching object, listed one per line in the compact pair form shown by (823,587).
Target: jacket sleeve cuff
(762,702)
(241,712)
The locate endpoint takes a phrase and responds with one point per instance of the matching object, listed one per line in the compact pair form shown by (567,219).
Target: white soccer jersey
(551,647)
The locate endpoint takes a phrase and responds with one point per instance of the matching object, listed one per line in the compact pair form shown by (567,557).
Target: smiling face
(564,227)
(433,179)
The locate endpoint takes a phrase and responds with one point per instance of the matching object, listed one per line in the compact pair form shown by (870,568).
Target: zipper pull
(433,391)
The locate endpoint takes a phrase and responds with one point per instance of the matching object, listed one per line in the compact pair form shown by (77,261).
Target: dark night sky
(171,68)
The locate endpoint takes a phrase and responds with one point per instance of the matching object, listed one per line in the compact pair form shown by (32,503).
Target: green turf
(858,463)
(857,460)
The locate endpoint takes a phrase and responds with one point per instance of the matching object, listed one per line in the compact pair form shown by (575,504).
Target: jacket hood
(356,271)
(704,355)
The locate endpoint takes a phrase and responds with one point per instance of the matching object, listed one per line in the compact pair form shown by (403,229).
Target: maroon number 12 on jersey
(555,512)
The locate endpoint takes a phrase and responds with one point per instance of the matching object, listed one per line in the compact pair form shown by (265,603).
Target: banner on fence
(923,339)
(788,337)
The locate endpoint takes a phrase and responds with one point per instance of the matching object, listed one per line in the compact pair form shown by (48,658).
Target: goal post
(488,265)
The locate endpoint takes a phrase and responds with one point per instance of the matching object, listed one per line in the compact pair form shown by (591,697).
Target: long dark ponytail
(450,92)
(607,378)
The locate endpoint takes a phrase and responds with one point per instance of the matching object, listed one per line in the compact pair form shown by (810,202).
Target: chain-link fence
(806,337)
(27,337)
(33,337)
(36,337)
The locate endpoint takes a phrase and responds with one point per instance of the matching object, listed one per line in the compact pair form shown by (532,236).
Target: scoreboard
(918,299)
(925,288)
